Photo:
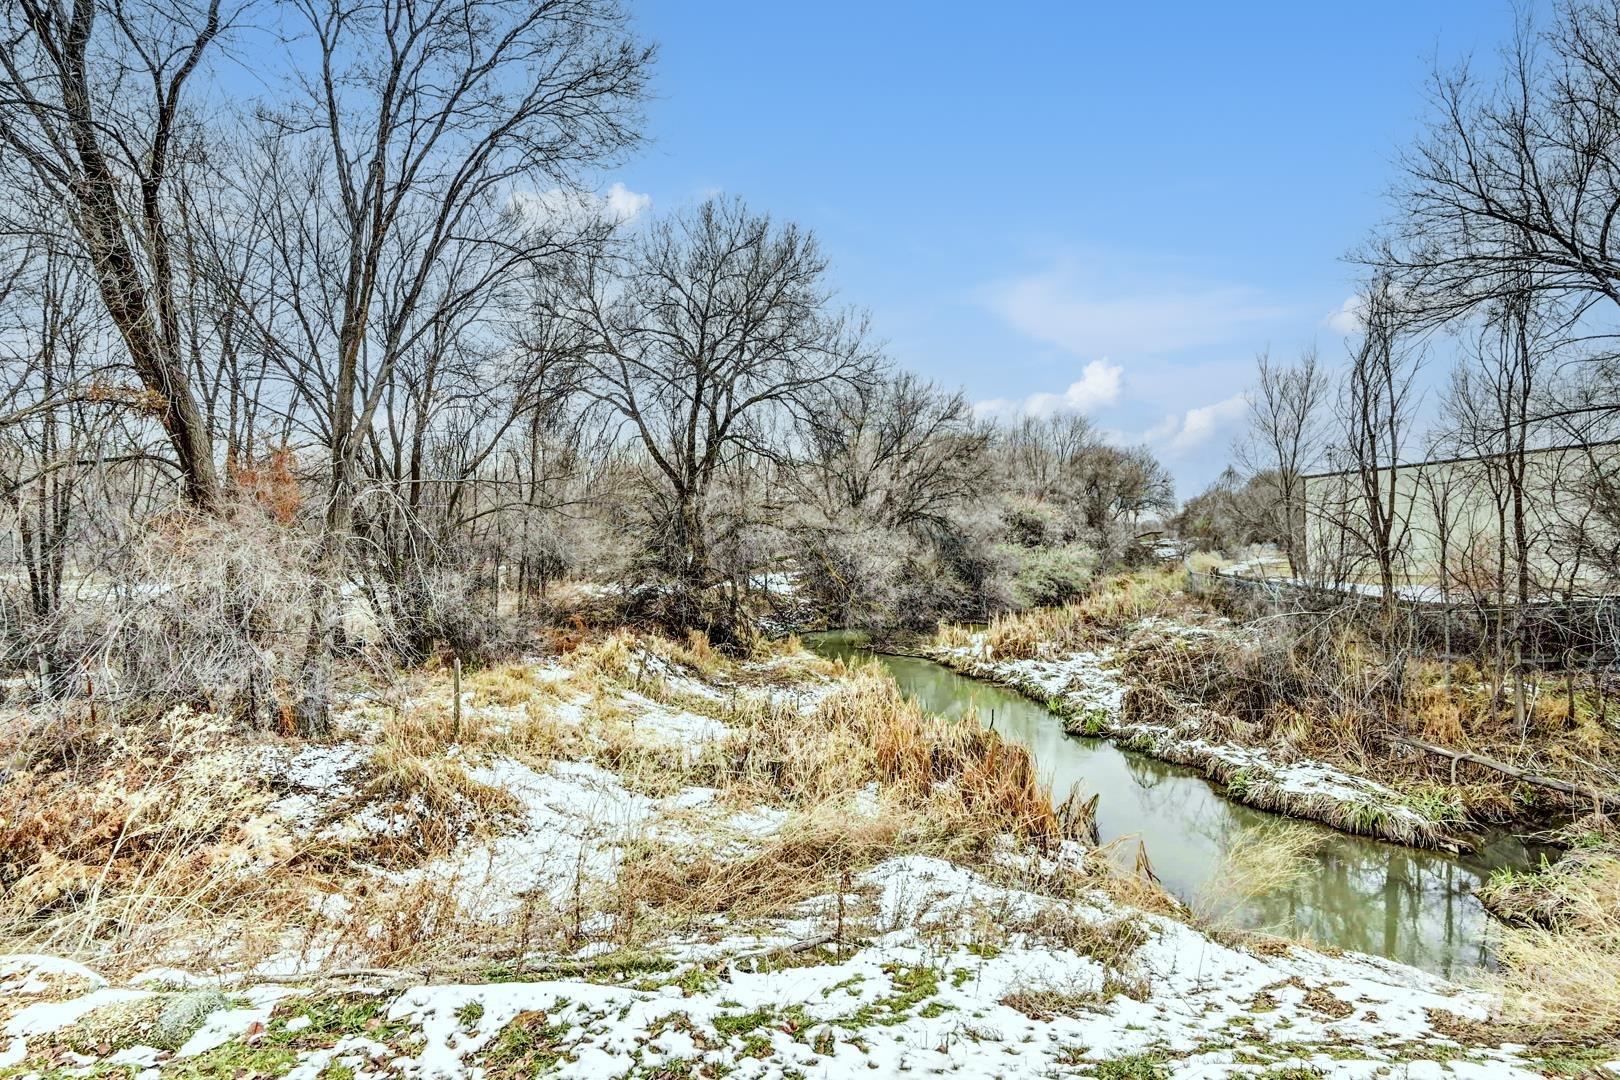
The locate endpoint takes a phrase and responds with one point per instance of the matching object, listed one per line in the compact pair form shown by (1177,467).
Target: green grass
(1577,1061)
(1152,1065)
(612,967)
(1240,784)
(527,1046)
(911,985)
(733,1025)
(331,1018)
(233,1060)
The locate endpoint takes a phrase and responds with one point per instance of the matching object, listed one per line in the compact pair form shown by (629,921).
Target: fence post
(455,700)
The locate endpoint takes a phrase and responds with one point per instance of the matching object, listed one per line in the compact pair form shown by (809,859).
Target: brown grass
(160,833)
(1113,604)
(866,776)
(1562,981)
(126,844)
(438,801)
(1258,862)
(510,685)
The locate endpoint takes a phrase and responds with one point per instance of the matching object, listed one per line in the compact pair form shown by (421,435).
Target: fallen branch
(386,974)
(1563,786)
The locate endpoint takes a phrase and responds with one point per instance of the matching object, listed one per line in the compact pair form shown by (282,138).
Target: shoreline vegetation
(1094,698)
(638,857)
(1169,675)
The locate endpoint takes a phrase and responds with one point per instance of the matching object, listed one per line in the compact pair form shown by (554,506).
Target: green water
(1364,895)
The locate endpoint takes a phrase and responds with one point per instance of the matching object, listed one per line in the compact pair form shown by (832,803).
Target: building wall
(1559,510)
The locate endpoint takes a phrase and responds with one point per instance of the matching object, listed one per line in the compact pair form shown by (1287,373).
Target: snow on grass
(47,1016)
(681,727)
(924,992)
(1082,681)
(314,777)
(575,815)
(251,1012)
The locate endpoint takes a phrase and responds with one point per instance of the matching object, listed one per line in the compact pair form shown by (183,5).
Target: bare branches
(1284,441)
(716,328)
(92,98)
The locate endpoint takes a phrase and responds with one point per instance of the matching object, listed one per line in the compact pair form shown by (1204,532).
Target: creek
(1411,905)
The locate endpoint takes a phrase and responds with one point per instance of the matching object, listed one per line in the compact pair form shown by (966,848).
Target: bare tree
(898,450)
(1376,417)
(715,327)
(1284,439)
(405,156)
(93,112)
(401,197)
(1514,189)
(1493,404)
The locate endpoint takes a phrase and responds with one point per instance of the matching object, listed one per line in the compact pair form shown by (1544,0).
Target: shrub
(197,611)
(1050,576)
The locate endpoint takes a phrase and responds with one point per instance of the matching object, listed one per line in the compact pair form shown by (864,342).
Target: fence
(1570,634)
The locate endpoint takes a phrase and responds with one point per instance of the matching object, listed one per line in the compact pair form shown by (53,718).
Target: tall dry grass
(129,845)
(1258,862)
(1113,604)
(148,838)
(1561,980)
(864,776)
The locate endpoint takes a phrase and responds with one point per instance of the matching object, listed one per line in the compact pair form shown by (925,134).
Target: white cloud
(1346,319)
(561,206)
(1083,310)
(1097,387)
(625,204)
(1179,434)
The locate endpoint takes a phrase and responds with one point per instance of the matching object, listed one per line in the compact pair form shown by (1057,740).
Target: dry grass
(526,728)
(809,856)
(1562,981)
(970,778)
(1045,1001)
(1258,862)
(433,801)
(865,776)
(159,833)
(127,845)
(510,685)
(1113,604)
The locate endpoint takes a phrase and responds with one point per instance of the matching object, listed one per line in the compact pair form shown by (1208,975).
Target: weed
(1258,862)
(530,1044)
(1152,1065)
(1561,976)
(331,1018)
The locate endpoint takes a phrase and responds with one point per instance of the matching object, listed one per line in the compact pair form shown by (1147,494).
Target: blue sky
(1105,207)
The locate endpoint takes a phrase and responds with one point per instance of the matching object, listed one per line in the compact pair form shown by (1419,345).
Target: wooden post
(455,701)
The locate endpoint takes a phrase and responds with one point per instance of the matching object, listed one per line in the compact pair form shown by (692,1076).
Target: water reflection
(1413,906)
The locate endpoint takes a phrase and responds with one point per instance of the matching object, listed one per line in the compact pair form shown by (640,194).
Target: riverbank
(635,858)
(1094,694)
(1048,988)
(1299,715)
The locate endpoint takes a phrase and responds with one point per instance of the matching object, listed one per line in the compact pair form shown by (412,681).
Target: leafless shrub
(195,610)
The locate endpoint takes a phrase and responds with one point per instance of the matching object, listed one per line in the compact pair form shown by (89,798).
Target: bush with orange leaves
(270,483)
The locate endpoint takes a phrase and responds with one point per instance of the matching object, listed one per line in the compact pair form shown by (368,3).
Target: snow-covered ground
(1018,965)
(1051,988)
